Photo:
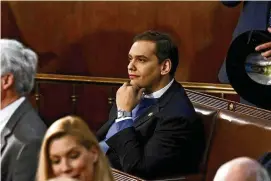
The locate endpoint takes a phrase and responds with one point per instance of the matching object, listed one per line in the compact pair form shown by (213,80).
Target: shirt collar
(7,112)
(159,93)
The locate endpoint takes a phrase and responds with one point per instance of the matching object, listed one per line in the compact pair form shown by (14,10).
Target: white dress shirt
(154,95)
(159,93)
(7,112)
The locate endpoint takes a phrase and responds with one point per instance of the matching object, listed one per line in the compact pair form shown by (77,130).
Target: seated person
(21,128)
(69,149)
(241,169)
(153,130)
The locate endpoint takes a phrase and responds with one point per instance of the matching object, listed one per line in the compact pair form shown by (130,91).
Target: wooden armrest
(121,176)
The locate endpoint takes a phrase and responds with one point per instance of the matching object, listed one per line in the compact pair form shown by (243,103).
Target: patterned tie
(142,106)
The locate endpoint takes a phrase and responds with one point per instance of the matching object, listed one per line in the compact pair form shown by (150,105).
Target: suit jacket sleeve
(27,162)
(172,139)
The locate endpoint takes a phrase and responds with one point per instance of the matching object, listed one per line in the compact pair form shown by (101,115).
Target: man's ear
(7,81)
(166,67)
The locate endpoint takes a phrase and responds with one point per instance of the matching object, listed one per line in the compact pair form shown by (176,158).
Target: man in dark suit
(21,128)
(153,130)
(255,15)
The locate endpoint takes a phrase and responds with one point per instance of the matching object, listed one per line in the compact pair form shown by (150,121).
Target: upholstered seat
(237,135)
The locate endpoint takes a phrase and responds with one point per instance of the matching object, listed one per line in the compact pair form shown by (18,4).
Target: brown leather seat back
(207,115)
(237,135)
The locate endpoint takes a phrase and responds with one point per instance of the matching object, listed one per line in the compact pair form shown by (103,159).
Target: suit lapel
(155,109)
(14,119)
(147,114)
(101,133)
(5,133)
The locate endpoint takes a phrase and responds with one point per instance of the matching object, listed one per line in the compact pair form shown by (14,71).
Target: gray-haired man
(21,128)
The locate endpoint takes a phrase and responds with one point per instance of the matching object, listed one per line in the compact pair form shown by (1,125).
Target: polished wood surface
(93,38)
(119,176)
(91,97)
(201,87)
(195,91)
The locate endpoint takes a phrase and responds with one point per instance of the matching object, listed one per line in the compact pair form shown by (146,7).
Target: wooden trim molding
(201,87)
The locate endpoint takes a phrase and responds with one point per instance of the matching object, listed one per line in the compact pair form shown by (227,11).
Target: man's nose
(131,65)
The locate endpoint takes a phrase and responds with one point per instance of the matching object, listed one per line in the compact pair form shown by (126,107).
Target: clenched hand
(128,96)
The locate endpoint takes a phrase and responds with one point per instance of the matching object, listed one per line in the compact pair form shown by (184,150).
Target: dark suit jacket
(166,140)
(20,144)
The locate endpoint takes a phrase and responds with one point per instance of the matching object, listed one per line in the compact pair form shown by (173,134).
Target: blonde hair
(75,126)
(63,179)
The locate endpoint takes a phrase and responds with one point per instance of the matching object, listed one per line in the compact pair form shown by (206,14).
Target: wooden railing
(220,89)
(196,92)
(121,176)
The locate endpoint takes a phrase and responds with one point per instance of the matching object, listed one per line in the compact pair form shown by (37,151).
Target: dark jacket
(166,140)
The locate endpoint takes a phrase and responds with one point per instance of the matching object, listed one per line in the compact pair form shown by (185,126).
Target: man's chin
(132,82)
(136,83)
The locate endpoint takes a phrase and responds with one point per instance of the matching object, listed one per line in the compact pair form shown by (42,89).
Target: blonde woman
(69,149)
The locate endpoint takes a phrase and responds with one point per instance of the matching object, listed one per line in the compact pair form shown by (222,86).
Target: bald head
(241,169)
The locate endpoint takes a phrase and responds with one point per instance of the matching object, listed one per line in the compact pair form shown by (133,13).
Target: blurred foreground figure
(241,169)
(69,149)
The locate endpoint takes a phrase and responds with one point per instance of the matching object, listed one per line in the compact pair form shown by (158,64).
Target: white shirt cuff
(122,119)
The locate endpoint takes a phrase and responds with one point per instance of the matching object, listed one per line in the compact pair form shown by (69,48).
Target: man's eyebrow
(141,56)
(138,56)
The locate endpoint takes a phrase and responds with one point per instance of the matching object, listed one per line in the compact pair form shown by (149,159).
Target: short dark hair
(165,48)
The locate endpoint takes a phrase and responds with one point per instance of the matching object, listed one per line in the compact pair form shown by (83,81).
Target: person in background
(241,169)
(70,149)
(22,129)
(153,131)
(255,15)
